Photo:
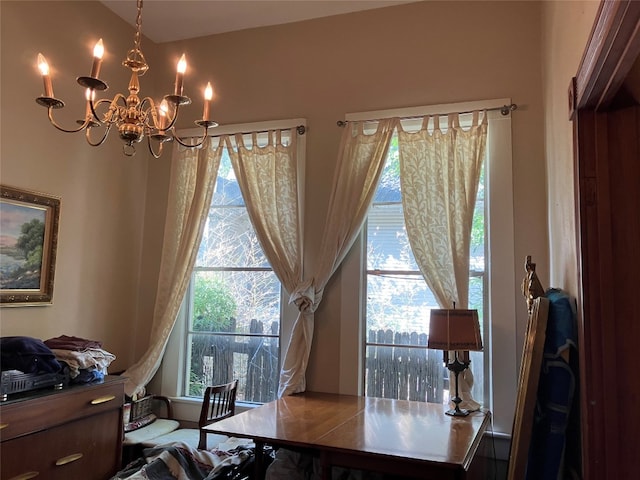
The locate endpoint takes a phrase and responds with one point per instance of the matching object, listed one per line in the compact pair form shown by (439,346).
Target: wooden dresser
(73,433)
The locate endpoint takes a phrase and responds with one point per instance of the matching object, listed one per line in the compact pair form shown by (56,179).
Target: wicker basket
(140,408)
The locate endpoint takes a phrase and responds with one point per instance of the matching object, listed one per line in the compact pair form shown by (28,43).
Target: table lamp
(455,330)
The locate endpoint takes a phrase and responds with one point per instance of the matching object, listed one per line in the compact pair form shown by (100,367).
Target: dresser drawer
(87,449)
(23,418)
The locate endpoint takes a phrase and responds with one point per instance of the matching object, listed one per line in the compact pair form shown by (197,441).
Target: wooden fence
(407,373)
(397,371)
(219,359)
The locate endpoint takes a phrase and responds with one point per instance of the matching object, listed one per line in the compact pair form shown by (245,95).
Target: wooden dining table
(397,437)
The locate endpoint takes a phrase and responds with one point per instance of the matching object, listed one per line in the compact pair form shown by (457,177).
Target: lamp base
(457,412)
(456,367)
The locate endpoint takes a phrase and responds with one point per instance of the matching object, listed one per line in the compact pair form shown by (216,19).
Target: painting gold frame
(28,244)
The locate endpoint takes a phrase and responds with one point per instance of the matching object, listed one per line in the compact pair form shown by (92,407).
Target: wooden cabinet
(72,433)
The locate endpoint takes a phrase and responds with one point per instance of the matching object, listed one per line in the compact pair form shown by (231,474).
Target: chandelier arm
(161,147)
(113,112)
(82,126)
(190,145)
(87,135)
(114,100)
(173,120)
(151,109)
(94,106)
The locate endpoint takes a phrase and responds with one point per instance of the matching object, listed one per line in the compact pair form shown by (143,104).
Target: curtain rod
(504,110)
(300,129)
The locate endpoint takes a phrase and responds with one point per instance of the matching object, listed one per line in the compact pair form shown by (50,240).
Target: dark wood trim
(613,47)
(597,339)
(604,171)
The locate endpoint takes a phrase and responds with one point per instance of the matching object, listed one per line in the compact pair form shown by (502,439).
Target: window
(398,300)
(233,313)
(230,322)
(496,373)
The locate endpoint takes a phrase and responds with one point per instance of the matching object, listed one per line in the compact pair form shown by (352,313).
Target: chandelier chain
(138,26)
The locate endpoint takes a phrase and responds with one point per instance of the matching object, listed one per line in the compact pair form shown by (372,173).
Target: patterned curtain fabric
(193,176)
(360,163)
(268,179)
(439,175)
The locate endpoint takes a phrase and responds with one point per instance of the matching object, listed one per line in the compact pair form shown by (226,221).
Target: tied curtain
(360,161)
(439,175)
(193,175)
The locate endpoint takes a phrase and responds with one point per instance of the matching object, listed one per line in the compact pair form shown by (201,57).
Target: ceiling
(167,21)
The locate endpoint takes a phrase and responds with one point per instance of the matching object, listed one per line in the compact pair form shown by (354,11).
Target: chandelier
(134,118)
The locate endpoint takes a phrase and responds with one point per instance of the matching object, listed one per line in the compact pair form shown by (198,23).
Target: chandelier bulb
(163,111)
(181,68)
(208,95)
(43,66)
(182,64)
(98,51)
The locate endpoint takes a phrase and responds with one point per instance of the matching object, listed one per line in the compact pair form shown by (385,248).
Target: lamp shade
(454,330)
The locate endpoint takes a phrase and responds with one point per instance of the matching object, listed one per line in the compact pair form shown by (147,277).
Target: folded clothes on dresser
(86,359)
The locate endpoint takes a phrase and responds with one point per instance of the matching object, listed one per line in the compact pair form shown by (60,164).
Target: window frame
(499,334)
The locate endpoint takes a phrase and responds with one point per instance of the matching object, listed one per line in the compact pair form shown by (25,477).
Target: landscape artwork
(28,241)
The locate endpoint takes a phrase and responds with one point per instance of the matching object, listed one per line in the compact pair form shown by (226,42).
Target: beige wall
(566,27)
(103,194)
(415,54)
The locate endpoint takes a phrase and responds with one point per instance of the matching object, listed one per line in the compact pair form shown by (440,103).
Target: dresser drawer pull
(3,425)
(68,459)
(26,476)
(105,399)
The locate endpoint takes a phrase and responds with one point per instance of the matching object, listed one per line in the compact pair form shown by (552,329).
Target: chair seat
(156,429)
(190,436)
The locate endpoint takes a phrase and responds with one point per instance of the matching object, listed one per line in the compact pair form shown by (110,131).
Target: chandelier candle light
(133,117)
(456,332)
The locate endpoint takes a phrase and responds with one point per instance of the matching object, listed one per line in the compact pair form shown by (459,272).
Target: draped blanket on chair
(179,461)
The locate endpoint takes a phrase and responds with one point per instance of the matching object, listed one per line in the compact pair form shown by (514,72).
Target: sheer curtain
(439,175)
(193,176)
(268,179)
(360,161)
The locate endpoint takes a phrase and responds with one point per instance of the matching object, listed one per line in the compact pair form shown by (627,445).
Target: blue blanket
(554,452)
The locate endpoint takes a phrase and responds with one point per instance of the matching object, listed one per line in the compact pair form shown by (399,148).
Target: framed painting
(28,243)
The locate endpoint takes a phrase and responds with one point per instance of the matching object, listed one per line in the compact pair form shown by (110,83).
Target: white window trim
(169,379)
(500,333)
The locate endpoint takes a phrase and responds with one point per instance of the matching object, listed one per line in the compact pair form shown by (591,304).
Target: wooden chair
(219,402)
